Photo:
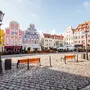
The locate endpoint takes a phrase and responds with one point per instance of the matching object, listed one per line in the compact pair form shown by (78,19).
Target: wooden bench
(28,61)
(69,57)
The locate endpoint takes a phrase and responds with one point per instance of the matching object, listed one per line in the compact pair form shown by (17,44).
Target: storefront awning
(12,46)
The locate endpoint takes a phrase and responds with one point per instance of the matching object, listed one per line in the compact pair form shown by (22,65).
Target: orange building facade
(80,34)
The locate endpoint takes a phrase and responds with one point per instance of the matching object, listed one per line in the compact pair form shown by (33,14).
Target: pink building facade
(13,37)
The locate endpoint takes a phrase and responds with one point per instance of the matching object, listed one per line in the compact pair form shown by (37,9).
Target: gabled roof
(53,35)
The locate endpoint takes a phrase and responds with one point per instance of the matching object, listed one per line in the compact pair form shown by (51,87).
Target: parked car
(61,49)
(71,48)
(66,48)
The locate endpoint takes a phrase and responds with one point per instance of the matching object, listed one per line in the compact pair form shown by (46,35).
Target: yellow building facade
(1,40)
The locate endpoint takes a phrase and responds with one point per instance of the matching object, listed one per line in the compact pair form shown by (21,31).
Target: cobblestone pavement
(65,77)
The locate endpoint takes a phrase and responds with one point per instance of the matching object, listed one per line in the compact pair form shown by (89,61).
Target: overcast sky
(51,16)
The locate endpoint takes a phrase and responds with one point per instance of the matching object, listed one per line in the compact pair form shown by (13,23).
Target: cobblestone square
(71,76)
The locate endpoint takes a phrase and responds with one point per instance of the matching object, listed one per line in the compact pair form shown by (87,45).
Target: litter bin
(8,64)
(1,66)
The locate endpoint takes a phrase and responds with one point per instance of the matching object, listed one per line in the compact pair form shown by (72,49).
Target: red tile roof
(82,26)
(53,36)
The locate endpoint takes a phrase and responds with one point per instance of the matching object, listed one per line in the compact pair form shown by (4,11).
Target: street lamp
(1,18)
(86,31)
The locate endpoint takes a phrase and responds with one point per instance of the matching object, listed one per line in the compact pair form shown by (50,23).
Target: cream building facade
(51,41)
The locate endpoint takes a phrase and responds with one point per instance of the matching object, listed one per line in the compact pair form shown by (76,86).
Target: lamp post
(1,18)
(86,31)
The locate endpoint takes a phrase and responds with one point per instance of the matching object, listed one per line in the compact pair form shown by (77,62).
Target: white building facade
(51,41)
(69,36)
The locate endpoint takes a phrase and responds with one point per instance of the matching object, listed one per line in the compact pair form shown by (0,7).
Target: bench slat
(31,60)
(23,61)
(70,57)
(34,60)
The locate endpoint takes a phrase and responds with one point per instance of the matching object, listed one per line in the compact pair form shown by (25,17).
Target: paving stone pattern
(62,77)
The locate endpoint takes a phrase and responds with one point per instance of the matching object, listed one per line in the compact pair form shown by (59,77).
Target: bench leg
(17,65)
(65,60)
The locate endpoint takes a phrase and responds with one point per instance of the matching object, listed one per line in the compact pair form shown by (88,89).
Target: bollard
(17,64)
(39,62)
(28,64)
(77,57)
(50,60)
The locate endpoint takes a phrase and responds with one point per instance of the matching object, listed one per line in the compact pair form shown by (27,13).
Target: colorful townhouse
(1,40)
(80,35)
(13,37)
(31,39)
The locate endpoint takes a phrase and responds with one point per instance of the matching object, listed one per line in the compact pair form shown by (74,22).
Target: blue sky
(51,16)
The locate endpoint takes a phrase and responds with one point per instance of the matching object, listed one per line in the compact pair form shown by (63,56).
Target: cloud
(40,32)
(83,7)
(53,31)
(34,15)
(4,26)
(86,4)
(78,10)
(19,1)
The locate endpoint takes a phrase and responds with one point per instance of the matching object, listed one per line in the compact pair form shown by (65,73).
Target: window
(25,36)
(83,42)
(89,35)
(88,40)
(82,36)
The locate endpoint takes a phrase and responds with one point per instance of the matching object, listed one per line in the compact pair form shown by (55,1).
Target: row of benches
(37,60)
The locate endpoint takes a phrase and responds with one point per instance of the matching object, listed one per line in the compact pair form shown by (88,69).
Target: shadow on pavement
(41,78)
